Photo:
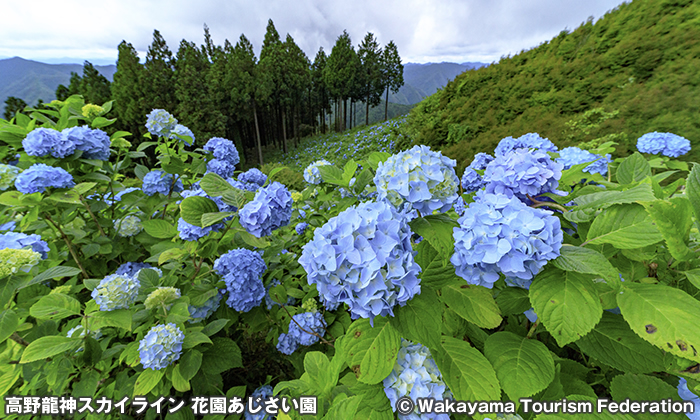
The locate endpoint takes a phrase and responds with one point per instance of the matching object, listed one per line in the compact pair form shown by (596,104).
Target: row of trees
(227,91)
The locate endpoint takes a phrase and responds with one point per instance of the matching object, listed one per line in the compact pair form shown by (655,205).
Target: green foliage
(631,72)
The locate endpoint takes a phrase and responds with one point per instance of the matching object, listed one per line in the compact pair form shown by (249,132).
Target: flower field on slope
(538,273)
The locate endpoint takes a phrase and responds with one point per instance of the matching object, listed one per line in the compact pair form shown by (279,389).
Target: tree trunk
(284,130)
(386,104)
(257,132)
(367,110)
(345,113)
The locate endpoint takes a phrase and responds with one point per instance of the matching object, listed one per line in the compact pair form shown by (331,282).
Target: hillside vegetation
(640,63)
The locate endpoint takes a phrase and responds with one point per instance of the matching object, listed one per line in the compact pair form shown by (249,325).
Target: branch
(19,340)
(308,332)
(92,215)
(70,245)
(538,203)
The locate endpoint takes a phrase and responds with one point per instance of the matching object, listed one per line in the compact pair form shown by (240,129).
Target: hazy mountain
(421,80)
(32,80)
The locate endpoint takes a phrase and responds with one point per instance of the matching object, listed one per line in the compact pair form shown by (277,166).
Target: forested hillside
(640,63)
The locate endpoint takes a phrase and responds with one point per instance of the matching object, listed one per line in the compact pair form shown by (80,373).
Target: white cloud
(423,30)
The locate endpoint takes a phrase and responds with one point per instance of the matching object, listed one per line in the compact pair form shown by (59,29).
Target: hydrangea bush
(507,289)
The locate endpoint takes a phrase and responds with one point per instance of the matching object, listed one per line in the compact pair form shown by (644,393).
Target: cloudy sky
(423,30)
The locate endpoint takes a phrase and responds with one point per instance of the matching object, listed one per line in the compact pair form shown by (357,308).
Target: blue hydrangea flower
(242,270)
(688,395)
(132,269)
(472,181)
(161,346)
(181,130)
(460,206)
(158,181)
(270,210)
(418,178)
(11,225)
(571,156)
(225,157)
(668,144)
(416,375)
(527,141)
(259,396)
(15,260)
(363,257)
(522,172)
(94,143)
(498,234)
(160,123)
(268,300)
(309,322)
(116,292)
(128,226)
(38,177)
(8,174)
(311,173)
(301,228)
(531,315)
(199,313)
(18,240)
(118,196)
(43,141)
(190,232)
(253,176)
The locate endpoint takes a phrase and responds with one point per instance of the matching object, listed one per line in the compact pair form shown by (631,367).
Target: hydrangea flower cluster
(301,228)
(160,123)
(312,175)
(161,346)
(416,375)
(363,257)
(242,271)
(668,144)
(418,178)
(116,292)
(91,110)
(181,130)
(571,156)
(94,143)
(8,174)
(14,260)
(498,234)
(522,172)
(128,226)
(268,299)
(39,176)
(11,225)
(308,321)
(460,206)
(199,313)
(527,141)
(18,240)
(688,395)
(118,196)
(158,181)
(43,141)
(225,157)
(132,269)
(162,296)
(259,396)
(253,176)
(270,210)
(472,181)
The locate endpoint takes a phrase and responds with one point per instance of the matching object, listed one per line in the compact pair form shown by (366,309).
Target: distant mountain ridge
(32,80)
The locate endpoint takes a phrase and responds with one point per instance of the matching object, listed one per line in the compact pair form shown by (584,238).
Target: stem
(68,242)
(308,332)
(538,203)
(196,266)
(15,337)
(92,215)
(533,328)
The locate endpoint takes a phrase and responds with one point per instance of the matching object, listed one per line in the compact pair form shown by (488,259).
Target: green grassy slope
(642,59)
